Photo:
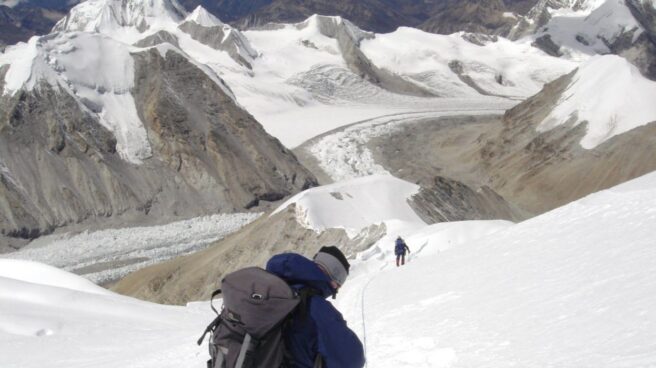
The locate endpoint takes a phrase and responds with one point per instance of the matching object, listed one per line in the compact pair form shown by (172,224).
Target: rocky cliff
(61,166)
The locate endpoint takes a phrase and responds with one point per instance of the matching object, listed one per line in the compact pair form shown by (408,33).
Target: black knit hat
(334,262)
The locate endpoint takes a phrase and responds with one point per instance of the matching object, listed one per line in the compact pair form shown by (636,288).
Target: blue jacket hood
(300,272)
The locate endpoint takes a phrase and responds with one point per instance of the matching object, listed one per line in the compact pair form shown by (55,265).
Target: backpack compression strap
(246,352)
(209,329)
(216,321)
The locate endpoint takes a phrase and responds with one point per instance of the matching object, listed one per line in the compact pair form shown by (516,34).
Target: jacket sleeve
(337,344)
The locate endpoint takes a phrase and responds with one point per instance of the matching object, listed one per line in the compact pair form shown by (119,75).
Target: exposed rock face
(158,38)
(60,166)
(541,171)
(450,200)
(533,171)
(194,277)
(222,38)
(643,52)
(472,16)
(546,44)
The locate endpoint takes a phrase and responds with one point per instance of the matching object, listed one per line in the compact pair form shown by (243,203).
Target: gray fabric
(245,346)
(255,302)
(333,266)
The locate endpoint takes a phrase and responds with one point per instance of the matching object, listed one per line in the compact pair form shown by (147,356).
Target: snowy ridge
(610,94)
(202,17)
(501,68)
(355,204)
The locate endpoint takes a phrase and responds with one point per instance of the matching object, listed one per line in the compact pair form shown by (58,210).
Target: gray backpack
(248,331)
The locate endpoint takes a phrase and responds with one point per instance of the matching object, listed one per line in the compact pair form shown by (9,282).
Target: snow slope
(573,287)
(502,67)
(610,94)
(52,318)
(355,204)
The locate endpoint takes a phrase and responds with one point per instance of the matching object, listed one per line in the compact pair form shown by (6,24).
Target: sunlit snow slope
(571,288)
(51,318)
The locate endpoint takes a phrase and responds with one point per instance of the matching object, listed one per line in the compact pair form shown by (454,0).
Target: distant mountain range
(20,20)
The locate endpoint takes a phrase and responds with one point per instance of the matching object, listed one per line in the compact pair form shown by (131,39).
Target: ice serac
(62,165)
(209,30)
(348,38)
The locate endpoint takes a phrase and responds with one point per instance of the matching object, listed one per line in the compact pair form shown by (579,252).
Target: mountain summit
(111,15)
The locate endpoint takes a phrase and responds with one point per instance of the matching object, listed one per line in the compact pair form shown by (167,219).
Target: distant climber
(400,249)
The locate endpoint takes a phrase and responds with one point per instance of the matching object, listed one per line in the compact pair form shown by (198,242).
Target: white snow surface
(204,18)
(107,255)
(610,94)
(425,57)
(596,22)
(573,287)
(72,326)
(39,273)
(355,204)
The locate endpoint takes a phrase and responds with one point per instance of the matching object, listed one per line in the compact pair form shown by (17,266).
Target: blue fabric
(320,329)
(399,249)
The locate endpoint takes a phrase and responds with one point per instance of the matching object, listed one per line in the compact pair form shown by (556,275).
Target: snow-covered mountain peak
(204,18)
(110,16)
(610,94)
(331,26)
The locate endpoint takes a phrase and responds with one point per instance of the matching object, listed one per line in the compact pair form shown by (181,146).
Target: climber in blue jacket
(317,335)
